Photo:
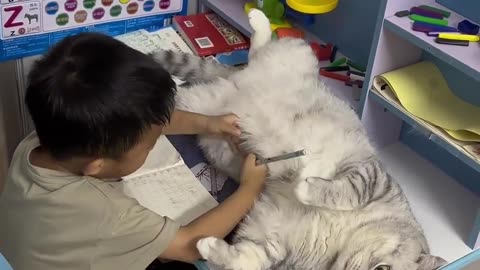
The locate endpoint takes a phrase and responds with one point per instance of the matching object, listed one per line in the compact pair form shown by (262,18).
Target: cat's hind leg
(244,255)
(351,189)
(262,33)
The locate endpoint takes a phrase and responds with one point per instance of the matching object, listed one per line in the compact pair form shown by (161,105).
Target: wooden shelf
(466,59)
(400,113)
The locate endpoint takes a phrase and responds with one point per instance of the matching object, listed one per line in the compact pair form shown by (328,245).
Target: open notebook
(165,185)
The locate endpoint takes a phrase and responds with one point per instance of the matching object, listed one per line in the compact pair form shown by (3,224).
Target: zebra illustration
(30,17)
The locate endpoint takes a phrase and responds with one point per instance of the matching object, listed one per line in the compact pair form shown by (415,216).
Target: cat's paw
(310,190)
(206,246)
(258,21)
(302,192)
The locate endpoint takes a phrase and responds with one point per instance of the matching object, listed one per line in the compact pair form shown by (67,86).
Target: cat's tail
(189,67)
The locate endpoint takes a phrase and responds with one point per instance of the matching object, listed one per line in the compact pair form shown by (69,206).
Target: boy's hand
(253,176)
(223,125)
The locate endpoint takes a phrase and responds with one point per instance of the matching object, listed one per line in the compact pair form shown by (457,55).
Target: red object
(336,76)
(208,34)
(322,52)
(289,32)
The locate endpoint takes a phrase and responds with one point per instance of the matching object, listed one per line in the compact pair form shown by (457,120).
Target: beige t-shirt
(54,220)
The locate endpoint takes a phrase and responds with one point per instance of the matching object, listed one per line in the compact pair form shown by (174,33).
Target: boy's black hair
(92,95)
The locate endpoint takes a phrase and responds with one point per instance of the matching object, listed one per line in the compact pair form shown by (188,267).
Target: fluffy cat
(335,208)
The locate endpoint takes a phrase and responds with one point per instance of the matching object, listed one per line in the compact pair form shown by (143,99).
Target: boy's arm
(219,221)
(183,122)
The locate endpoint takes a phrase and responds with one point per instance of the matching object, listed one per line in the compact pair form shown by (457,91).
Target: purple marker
(426,13)
(428,27)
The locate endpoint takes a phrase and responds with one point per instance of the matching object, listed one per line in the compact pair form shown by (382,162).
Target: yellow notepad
(422,90)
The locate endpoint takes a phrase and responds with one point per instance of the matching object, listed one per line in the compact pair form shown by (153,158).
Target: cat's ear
(430,262)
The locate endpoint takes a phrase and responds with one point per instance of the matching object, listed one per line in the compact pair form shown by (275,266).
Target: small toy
(452,42)
(445,14)
(289,32)
(313,6)
(471,38)
(468,27)
(322,52)
(418,18)
(281,157)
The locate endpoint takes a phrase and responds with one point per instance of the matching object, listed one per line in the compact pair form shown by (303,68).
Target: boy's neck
(40,157)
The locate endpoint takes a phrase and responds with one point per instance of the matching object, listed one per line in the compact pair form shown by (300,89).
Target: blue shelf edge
(436,139)
(433,50)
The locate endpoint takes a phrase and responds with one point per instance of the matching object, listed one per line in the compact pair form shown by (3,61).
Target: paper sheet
(422,90)
(471,149)
(165,185)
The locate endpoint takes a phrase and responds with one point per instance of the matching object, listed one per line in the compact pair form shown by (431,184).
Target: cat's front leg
(244,255)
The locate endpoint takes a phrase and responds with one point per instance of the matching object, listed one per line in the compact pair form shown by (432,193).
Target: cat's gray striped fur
(335,208)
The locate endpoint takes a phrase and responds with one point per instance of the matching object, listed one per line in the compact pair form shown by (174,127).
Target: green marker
(338,62)
(356,66)
(418,18)
(445,13)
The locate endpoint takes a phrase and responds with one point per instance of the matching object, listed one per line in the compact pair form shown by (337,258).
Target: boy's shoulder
(48,184)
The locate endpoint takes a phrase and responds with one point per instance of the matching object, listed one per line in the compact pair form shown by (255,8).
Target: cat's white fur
(303,220)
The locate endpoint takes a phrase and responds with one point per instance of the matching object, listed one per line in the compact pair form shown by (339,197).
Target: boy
(98,107)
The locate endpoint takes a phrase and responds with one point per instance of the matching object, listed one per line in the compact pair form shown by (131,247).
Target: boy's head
(100,102)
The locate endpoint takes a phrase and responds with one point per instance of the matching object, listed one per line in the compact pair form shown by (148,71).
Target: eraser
(356,77)
(402,13)
(468,27)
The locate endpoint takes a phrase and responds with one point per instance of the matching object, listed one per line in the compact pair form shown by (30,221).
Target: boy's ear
(94,167)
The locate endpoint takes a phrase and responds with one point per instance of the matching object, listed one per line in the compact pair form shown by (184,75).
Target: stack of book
(207,34)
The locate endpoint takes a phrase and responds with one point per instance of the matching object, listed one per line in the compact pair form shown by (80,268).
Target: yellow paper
(423,91)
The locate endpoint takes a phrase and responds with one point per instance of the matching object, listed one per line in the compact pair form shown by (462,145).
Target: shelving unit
(431,136)
(465,59)
(446,210)
(399,46)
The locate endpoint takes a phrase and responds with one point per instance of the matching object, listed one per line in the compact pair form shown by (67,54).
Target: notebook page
(173,192)
(165,185)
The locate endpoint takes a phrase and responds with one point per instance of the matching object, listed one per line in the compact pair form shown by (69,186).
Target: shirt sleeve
(134,236)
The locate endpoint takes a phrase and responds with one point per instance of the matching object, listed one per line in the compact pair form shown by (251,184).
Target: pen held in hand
(286,156)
